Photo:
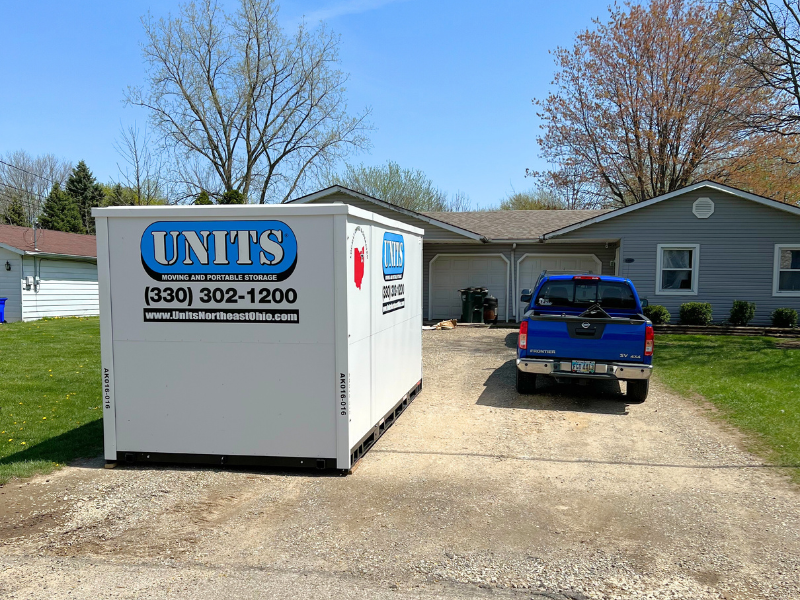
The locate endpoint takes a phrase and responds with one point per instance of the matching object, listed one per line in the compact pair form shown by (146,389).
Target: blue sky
(450,83)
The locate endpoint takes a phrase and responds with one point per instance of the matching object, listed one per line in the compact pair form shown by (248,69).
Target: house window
(677,269)
(786,278)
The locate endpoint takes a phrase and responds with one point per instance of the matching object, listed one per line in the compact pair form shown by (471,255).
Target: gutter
(55,255)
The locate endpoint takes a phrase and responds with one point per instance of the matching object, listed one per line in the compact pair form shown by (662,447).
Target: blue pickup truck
(588,326)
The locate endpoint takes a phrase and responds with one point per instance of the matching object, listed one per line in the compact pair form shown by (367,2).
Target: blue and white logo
(219,250)
(394,256)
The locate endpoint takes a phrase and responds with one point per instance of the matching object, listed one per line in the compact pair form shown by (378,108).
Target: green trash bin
(467,304)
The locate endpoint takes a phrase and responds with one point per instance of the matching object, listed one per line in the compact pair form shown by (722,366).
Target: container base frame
(372,436)
(224,460)
(356,452)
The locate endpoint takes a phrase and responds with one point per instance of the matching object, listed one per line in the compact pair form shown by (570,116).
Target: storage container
(285,335)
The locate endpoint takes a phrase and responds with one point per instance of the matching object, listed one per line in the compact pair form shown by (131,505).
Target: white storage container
(286,335)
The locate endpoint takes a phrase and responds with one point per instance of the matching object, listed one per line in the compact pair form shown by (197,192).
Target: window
(582,294)
(786,277)
(677,269)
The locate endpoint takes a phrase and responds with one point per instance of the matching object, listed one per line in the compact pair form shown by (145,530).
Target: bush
(784,317)
(696,313)
(742,312)
(658,314)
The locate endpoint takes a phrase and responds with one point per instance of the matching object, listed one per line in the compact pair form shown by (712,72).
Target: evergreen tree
(61,212)
(15,214)
(202,198)
(232,197)
(86,192)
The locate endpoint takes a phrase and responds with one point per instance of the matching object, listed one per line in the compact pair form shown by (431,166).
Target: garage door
(452,273)
(532,265)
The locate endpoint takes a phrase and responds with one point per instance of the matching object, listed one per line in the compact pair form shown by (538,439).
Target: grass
(754,384)
(50,395)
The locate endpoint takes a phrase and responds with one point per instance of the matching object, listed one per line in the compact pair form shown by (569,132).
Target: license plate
(583,366)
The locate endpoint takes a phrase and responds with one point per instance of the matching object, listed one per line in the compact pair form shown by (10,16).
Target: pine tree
(232,197)
(202,198)
(61,212)
(86,192)
(15,214)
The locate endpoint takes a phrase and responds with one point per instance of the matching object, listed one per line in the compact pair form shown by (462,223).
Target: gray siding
(737,245)
(432,232)
(429,250)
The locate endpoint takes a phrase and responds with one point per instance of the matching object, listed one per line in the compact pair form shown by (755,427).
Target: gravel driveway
(475,492)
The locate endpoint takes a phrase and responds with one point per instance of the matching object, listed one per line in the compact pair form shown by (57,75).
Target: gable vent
(703,208)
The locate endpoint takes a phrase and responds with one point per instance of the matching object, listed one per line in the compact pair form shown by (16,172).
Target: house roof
(719,187)
(485,226)
(515,224)
(338,189)
(20,240)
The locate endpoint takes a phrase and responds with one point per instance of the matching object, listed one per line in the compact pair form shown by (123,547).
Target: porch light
(8,266)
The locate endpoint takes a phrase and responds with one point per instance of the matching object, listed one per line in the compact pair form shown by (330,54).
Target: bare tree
(646,103)
(142,168)
(235,96)
(28,179)
(769,45)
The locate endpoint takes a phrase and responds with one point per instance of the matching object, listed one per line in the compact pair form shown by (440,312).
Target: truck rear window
(582,294)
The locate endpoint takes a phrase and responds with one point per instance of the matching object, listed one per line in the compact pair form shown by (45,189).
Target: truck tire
(526,382)
(638,390)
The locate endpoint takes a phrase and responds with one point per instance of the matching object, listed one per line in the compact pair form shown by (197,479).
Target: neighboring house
(56,277)
(704,243)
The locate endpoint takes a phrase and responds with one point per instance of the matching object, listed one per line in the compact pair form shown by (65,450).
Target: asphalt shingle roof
(52,242)
(514,224)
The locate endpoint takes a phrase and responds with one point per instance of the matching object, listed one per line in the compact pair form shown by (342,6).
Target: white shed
(54,275)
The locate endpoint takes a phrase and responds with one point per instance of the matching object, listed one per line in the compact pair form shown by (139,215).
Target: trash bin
(490,309)
(3,310)
(467,304)
(478,295)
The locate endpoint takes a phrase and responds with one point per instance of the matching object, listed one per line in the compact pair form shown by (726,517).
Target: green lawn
(754,384)
(49,394)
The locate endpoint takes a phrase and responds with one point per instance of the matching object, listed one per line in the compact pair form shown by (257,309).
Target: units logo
(219,251)
(359,255)
(394,256)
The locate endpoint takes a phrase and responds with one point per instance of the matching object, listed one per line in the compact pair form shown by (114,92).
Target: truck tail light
(649,340)
(590,277)
(523,335)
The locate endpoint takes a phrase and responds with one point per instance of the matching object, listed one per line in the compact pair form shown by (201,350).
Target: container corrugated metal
(286,335)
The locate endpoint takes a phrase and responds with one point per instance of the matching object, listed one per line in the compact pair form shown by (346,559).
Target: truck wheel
(526,382)
(637,390)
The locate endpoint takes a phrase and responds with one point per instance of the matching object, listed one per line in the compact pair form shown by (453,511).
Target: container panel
(259,400)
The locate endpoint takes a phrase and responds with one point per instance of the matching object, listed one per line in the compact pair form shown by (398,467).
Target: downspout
(513,283)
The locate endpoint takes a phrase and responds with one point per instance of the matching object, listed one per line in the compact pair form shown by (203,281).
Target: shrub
(784,317)
(742,312)
(658,314)
(696,313)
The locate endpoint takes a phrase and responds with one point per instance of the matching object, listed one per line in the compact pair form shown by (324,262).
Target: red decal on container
(358,266)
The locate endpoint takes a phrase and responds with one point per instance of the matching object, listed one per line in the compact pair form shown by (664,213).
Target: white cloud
(348,7)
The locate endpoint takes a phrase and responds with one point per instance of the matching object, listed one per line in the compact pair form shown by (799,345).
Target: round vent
(703,208)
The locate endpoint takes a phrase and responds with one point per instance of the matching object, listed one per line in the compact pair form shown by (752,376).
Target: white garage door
(531,266)
(452,273)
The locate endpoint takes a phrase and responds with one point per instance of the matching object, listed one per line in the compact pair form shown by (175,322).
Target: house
(54,277)
(707,242)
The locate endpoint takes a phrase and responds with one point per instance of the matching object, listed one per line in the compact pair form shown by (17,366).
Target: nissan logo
(585,325)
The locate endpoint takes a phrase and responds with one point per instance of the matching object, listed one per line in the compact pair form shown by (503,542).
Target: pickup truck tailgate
(612,339)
